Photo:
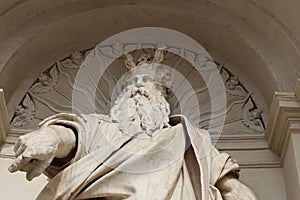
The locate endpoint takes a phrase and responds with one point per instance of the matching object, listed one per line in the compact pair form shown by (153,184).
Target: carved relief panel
(51,92)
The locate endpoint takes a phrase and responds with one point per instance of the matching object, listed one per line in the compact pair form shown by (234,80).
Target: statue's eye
(130,81)
(146,78)
(135,80)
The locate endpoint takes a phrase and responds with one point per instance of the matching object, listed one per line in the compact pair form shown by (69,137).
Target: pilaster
(4,123)
(283,136)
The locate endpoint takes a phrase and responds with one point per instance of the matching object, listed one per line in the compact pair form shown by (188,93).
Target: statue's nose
(139,81)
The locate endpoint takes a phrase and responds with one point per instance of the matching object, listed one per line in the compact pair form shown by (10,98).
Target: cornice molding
(284,120)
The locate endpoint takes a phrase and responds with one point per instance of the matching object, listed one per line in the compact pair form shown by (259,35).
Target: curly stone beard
(141,109)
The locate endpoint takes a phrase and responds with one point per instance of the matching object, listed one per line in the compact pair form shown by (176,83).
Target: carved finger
(19,162)
(20,150)
(18,143)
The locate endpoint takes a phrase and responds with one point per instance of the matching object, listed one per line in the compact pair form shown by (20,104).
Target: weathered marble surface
(132,152)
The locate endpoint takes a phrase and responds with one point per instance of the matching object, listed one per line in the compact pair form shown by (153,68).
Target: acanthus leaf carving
(118,49)
(200,60)
(233,87)
(251,117)
(45,81)
(74,61)
(24,112)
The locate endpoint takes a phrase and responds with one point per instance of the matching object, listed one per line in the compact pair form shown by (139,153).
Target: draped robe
(178,162)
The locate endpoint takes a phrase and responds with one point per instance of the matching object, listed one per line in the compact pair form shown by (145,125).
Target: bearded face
(141,108)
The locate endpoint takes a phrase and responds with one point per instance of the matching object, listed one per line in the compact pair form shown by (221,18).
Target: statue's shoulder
(181,119)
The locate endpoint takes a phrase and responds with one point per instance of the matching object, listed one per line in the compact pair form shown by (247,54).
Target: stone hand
(36,150)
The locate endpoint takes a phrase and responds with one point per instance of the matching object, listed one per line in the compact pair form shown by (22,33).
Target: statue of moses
(137,152)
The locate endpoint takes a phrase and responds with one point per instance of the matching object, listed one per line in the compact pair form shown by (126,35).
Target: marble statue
(138,151)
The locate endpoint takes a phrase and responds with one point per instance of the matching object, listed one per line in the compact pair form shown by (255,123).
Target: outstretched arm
(231,189)
(36,150)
